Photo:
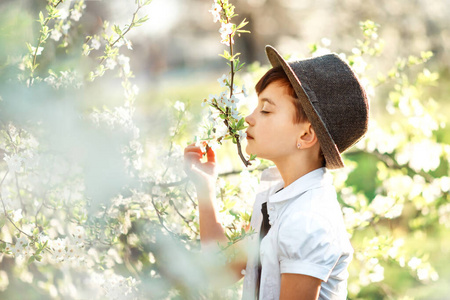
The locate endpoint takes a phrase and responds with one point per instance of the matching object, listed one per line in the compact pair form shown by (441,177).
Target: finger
(210,155)
(192,157)
(192,148)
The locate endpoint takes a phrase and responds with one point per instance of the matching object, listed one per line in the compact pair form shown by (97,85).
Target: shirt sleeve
(307,246)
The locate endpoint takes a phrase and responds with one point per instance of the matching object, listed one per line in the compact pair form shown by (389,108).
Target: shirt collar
(314,179)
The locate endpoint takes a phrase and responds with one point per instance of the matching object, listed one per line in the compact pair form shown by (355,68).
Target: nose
(250,120)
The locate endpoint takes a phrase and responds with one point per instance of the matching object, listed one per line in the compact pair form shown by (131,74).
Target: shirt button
(271,208)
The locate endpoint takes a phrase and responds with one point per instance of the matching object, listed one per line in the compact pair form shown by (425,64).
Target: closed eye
(264,112)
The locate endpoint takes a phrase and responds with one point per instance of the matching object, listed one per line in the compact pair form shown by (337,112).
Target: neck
(292,168)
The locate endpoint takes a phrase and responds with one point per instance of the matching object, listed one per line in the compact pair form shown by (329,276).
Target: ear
(307,137)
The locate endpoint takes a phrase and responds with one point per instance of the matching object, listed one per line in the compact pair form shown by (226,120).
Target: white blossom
(414,263)
(38,52)
(95,43)
(124,61)
(55,35)
(14,163)
(423,155)
(75,15)
(359,65)
(223,80)
(179,106)
(326,42)
(215,11)
(110,63)
(63,14)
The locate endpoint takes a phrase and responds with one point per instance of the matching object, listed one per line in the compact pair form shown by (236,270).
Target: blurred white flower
(386,206)
(179,106)
(95,43)
(226,39)
(129,44)
(63,14)
(75,15)
(223,80)
(124,61)
(55,35)
(423,155)
(38,52)
(444,215)
(16,215)
(414,263)
(215,11)
(78,235)
(65,28)
(321,51)
(393,251)
(377,274)
(14,163)
(110,63)
(226,29)
(359,65)
(326,42)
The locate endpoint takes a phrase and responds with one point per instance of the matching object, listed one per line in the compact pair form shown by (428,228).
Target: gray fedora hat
(336,103)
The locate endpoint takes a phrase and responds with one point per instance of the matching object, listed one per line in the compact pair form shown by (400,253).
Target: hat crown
(337,96)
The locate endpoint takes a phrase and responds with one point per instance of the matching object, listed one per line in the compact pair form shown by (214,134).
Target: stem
(11,221)
(40,42)
(176,132)
(4,177)
(230,130)
(20,197)
(232,67)
(2,241)
(126,31)
(236,136)
(158,214)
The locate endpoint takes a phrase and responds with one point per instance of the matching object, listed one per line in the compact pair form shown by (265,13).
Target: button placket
(272,214)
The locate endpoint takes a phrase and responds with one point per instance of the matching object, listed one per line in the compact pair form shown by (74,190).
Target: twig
(11,221)
(4,177)
(126,31)
(40,42)
(2,241)
(189,196)
(230,130)
(158,214)
(18,193)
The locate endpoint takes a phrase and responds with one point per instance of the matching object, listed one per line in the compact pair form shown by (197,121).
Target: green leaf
(226,55)
(31,259)
(252,156)
(117,30)
(240,125)
(36,231)
(242,24)
(41,18)
(141,21)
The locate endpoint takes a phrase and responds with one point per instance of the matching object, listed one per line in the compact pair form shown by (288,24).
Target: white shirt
(307,236)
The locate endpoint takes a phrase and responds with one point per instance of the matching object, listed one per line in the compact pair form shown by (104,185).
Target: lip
(249,137)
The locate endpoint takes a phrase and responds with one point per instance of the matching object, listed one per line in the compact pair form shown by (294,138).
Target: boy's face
(271,133)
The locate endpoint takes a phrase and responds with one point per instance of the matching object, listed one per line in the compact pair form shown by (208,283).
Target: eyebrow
(268,100)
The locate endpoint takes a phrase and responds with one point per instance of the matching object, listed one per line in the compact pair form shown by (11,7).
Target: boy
(308,113)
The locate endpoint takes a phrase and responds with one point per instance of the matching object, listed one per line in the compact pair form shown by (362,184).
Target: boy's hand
(203,174)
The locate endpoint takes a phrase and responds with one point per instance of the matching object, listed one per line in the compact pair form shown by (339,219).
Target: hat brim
(333,158)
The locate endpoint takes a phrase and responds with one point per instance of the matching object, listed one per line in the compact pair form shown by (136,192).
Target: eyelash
(264,112)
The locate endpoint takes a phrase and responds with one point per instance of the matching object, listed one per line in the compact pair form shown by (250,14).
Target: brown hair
(278,75)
